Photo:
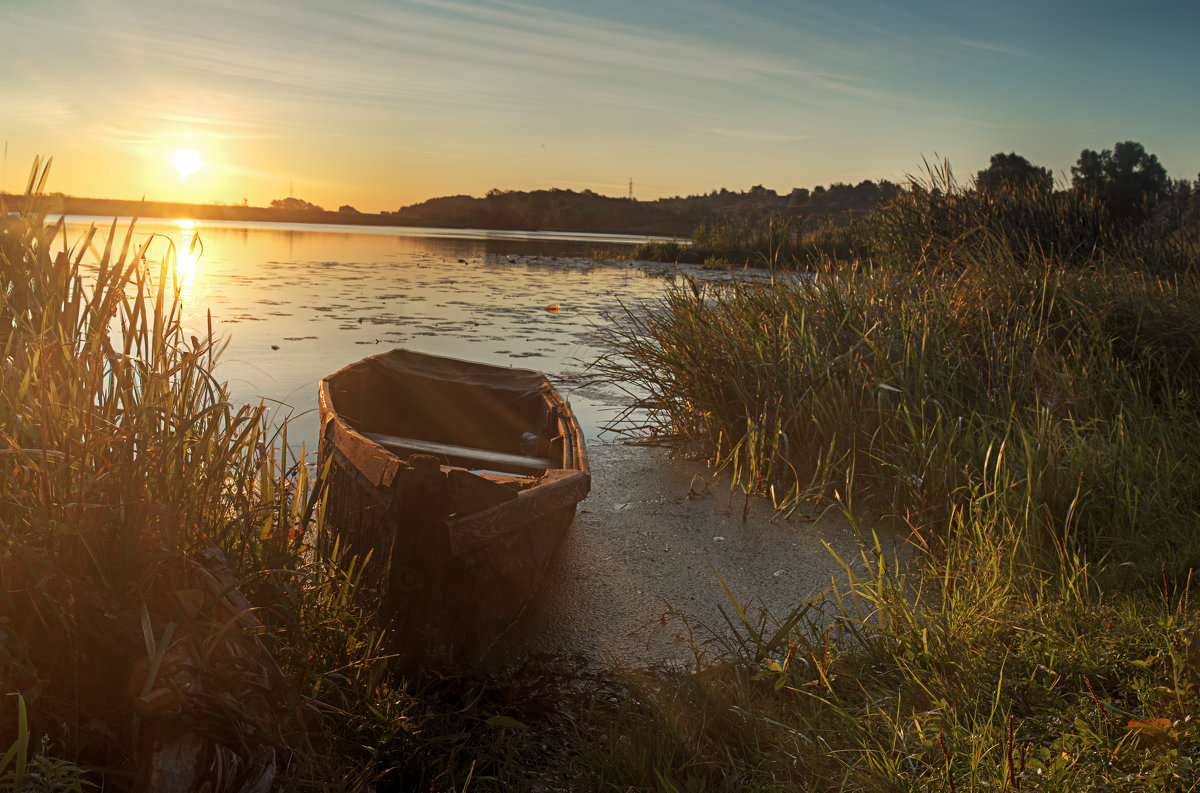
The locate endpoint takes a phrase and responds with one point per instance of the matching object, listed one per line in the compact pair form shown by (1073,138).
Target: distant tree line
(1127,183)
(1120,205)
(292,204)
(1118,199)
(679,216)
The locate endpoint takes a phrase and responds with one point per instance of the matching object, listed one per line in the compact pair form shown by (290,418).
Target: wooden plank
(532,512)
(499,460)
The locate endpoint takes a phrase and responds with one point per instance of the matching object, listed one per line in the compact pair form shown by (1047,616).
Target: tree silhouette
(1015,172)
(1127,178)
(293,204)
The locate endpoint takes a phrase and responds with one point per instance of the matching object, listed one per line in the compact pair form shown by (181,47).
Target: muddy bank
(636,582)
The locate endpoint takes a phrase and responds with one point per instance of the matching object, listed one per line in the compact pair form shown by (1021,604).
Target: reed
(927,225)
(1026,416)
(123,463)
(917,382)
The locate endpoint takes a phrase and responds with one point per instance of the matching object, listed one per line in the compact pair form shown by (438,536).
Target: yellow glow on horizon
(187,162)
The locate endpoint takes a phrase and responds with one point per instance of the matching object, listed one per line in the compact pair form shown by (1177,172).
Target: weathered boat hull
(453,483)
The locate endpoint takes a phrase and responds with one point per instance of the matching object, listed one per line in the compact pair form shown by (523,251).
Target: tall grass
(124,469)
(123,460)
(927,224)
(1022,406)
(1078,380)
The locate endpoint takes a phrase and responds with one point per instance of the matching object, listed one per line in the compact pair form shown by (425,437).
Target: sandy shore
(636,581)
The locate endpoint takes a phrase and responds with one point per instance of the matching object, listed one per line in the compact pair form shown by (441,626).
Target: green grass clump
(1040,382)
(1020,402)
(997,682)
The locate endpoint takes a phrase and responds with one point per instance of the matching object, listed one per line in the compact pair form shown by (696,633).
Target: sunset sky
(380,103)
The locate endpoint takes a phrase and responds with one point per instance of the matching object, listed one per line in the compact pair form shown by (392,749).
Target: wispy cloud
(694,90)
(308,64)
(993,47)
(761,136)
(37,109)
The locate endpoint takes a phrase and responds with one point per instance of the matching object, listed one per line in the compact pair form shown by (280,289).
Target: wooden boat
(460,480)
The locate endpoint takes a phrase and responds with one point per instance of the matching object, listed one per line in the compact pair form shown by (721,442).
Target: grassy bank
(1020,401)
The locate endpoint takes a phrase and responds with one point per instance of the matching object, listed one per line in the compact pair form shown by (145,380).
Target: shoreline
(641,579)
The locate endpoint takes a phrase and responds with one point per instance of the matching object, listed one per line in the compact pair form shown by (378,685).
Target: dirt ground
(638,581)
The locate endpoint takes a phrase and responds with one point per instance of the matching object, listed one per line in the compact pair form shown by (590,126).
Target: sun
(187,162)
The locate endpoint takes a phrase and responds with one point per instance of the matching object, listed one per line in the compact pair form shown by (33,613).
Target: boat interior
(495,422)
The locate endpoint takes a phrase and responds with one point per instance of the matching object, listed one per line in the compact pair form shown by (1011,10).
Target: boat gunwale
(574,458)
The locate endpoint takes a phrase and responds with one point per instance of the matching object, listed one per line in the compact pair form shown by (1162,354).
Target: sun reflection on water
(187,255)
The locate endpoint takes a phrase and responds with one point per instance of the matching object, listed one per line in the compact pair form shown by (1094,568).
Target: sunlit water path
(297,302)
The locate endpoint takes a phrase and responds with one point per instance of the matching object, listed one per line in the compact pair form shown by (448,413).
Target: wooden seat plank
(494,459)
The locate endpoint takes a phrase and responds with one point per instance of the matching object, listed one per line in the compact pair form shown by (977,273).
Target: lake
(297,302)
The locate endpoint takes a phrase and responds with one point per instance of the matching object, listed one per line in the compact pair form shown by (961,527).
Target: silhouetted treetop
(1015,172)
(1127,178)
(292,204)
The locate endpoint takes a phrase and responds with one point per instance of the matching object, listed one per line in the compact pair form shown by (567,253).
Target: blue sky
(379,103)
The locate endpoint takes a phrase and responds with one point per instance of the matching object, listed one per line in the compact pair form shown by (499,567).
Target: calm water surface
(298,302)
